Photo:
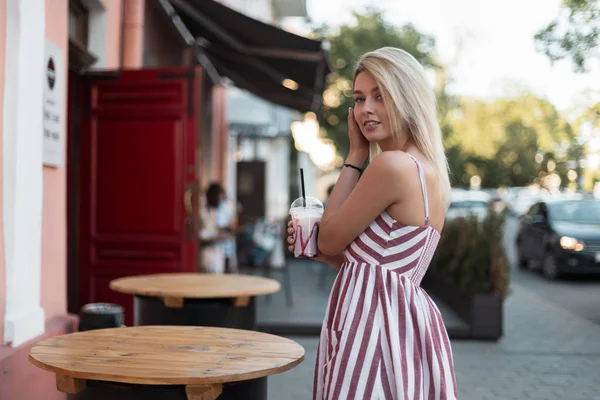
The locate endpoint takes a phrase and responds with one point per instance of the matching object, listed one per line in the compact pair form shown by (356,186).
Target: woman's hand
(334,261)
(359,145)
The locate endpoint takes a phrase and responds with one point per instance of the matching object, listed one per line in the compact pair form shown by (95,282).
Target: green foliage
(499,140)
(471,257)
(587,122)
(574,33)
(477,120)
(370,31)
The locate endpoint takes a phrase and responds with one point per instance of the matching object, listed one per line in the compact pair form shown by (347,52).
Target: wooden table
(196,299)
(162,362)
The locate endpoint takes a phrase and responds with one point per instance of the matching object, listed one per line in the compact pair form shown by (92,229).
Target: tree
(587,124)
(574,33)
(515,161)
(348,42)
(501,140)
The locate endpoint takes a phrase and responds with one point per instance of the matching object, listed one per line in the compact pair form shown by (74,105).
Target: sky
(487,44)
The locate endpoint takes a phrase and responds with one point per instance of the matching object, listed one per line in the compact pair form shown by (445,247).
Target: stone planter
(483,312)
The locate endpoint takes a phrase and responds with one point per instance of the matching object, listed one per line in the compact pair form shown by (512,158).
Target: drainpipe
(133,34)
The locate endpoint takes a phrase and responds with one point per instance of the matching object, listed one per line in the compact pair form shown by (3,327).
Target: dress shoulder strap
(423,188)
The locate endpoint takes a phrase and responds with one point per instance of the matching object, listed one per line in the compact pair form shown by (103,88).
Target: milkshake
(306,217)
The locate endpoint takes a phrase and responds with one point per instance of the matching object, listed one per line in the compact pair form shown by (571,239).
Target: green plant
(471,256)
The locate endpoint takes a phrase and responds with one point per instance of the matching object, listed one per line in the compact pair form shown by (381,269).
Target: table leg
(204,392)
(173,302)
(70,385)
(241,301)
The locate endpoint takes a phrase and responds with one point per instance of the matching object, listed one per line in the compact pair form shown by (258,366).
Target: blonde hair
(410,104)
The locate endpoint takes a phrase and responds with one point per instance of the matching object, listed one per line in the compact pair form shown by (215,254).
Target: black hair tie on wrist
(355,167)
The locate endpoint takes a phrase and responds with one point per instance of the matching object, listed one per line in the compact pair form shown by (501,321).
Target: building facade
(43,45)
(33,255)
(64,66)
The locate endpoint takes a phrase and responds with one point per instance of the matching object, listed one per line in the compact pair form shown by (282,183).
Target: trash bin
(100,316)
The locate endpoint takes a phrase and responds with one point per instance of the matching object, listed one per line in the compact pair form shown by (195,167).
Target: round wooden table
(196,299)
(162,362)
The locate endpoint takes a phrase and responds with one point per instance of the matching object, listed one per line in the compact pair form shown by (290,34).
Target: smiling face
(369,109)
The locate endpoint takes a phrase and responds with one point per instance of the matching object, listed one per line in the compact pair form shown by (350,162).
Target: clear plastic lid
(312,203)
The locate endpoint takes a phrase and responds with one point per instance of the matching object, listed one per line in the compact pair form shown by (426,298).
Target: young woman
(383,337)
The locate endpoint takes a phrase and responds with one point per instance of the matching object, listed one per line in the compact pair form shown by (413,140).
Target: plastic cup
(305,220)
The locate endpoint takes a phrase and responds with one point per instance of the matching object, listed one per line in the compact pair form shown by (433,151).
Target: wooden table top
(166,355)
(196,286)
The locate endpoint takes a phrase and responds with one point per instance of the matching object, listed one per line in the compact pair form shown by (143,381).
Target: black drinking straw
(302,184)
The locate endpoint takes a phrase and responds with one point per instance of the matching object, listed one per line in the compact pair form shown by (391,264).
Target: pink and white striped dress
(383,337)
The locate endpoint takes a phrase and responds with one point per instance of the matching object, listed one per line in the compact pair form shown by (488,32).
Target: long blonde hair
(410,104)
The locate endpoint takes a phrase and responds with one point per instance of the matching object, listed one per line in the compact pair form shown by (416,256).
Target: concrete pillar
(22,178)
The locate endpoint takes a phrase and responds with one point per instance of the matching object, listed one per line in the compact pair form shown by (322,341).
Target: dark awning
(259,57)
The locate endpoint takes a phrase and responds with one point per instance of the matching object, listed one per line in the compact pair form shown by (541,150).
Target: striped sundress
(383,337)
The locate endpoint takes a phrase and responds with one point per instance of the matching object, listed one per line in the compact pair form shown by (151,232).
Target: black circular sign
(51,73)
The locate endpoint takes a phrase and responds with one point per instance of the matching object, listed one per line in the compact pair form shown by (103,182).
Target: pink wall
(2,271)
(163,45)
(54,219)
(114,15)
(133,34)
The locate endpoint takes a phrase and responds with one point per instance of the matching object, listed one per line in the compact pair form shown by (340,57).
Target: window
(533,210)
(543,212)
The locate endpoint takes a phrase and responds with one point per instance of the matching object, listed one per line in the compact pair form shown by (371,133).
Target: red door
(138,178)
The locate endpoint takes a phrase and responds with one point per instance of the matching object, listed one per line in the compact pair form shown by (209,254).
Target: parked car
(562,236)
(522,201)
(467,203)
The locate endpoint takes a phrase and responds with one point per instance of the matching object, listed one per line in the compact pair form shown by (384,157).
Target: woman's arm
(359,151)
(386,181)
(335,261)
(343,187)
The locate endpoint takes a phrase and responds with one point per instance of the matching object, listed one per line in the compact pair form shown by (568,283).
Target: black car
(561,236)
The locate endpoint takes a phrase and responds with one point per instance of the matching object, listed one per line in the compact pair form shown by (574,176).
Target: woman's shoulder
(392,161)
(397,168)
(395,164)
(410,161)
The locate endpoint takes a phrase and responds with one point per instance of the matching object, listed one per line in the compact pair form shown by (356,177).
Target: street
(580,295)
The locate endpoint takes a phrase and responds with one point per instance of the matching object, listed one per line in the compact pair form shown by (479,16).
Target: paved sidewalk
(546,353)
(311,283)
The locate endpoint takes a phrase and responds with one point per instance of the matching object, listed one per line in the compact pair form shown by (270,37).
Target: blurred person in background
(217,236)
(382,336)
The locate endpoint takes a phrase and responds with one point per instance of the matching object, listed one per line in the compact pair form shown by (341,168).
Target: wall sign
(54,107)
